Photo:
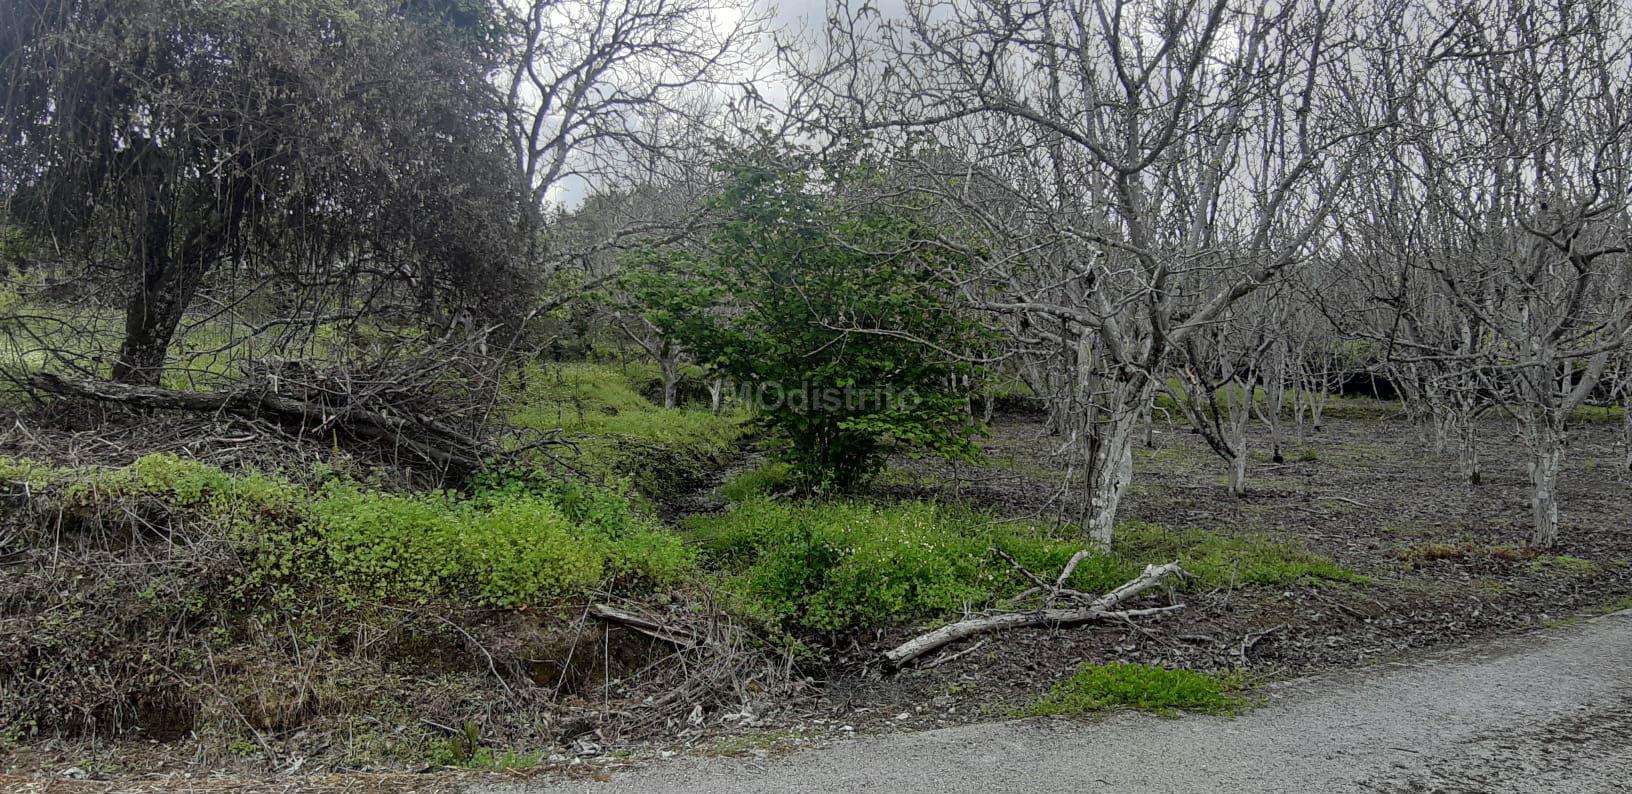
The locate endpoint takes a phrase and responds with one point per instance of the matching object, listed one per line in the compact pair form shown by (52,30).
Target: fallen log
(1102,608)
(428,439)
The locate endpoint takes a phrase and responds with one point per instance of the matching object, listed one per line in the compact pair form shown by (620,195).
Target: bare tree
(599,89)
(1157,162)
(1502,217)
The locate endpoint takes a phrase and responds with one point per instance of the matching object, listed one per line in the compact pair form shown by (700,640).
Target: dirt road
(1551,711)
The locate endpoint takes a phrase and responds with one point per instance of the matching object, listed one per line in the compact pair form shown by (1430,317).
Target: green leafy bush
(841,565)
(1097,687)
(823,309)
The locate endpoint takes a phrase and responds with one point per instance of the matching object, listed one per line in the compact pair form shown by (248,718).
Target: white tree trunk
(1439,418)
(1238,470)
(1468,449)
(1545,436)
(1240,402)
(671,382)
(1626,428)
(1111,457)
(716,395)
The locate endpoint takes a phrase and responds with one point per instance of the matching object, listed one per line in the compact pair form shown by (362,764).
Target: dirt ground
(1445,562)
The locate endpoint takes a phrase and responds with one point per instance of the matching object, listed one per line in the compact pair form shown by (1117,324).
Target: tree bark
(1467,458)
(166,281)
(1110,455)
(1546,440)
(1102,608)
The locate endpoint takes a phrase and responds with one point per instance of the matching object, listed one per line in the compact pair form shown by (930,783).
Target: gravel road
(1550,711)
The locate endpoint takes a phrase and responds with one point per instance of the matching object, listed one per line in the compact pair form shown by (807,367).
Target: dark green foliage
(819,309)
(1097,687)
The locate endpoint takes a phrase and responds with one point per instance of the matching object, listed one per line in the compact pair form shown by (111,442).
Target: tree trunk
(1241,406)
(165,282)
(152,315)
(1468,449)
(1545,434)
(1275,386)
(1110,453)
(1626,428)
(671,381)
(716,395)
(1440,420)
(1238,471)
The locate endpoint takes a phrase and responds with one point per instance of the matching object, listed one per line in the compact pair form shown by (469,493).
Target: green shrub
(501,548)
(845,565)
(771,298)
(1097,687)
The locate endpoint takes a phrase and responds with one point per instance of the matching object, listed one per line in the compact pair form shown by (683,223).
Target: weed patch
(1099,687)
(1563,565)
(766,480)
(847,565)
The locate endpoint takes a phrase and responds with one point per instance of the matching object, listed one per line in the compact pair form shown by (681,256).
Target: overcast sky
(787,15)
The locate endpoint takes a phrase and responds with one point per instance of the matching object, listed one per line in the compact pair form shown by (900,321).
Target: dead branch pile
(424,407)
(1087,608)
(715,669)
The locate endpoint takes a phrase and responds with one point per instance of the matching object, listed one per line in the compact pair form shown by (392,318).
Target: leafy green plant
(823,310)
(513,542)
(1098,687)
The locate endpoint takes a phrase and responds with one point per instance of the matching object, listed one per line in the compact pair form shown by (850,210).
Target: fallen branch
(1102,608)
(651,628)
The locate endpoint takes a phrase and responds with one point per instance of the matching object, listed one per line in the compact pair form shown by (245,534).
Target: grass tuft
(1563,565)
(763,481)
(1099,687)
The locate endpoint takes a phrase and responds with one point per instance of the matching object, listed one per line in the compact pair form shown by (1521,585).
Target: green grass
(1218,560)
(1617,605)
(620,434)
(844,565)
(1100,687)
(762,481)
(1598,414)
(1563,565)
